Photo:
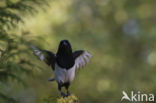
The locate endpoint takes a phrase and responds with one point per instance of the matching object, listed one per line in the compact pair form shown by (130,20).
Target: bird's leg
(59,88)
(67,87)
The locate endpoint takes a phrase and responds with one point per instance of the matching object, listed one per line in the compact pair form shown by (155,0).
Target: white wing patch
(82,60)
(38,53)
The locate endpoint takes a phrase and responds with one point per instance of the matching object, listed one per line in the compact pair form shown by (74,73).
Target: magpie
(63,63)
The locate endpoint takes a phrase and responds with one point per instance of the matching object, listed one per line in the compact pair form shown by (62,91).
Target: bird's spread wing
(44,55)
(81,58)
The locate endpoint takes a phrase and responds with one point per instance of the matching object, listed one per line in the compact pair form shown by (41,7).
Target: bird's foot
(63,94)
(68,94)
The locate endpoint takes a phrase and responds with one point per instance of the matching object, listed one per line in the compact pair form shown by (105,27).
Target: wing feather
(81,58)
(44,55)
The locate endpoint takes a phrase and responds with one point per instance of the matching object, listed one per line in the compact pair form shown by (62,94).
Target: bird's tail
(51,79)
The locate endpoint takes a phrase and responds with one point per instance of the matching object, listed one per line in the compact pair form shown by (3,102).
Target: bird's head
(64,47)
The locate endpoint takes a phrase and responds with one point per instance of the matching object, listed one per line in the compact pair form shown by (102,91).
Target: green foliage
(13,50)
(70,99)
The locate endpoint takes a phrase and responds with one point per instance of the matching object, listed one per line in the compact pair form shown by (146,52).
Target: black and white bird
(63,63)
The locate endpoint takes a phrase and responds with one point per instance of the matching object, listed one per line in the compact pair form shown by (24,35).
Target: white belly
(63,75)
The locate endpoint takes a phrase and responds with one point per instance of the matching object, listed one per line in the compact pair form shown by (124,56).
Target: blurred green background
(120,34)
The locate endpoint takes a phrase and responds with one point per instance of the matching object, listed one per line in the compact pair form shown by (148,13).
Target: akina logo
(137,97)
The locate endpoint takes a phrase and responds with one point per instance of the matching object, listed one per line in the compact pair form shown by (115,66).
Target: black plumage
(64,55)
